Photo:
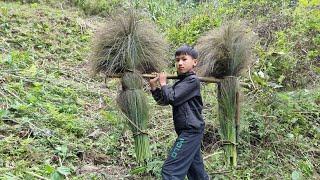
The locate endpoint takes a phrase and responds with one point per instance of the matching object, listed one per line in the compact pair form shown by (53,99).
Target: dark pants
(185,159)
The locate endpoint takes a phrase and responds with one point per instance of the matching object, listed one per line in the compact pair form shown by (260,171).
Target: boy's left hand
(163,79)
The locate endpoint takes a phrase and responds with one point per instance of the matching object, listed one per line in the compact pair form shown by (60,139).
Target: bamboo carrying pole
(203,79)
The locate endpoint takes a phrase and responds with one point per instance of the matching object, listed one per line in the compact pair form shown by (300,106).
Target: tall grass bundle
(225,51)
(133,103)
(227,99)
(128,41)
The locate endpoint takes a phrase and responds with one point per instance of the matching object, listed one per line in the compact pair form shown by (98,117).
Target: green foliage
(47,100)
(290,60)
(44,101)
(189,32)
(281,125)
(94,7)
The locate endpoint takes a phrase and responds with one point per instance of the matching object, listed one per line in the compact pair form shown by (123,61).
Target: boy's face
(185,63)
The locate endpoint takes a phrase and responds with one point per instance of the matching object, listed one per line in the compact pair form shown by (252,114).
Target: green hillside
(58,122)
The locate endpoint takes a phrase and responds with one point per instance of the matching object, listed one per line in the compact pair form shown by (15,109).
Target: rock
(2,137)
(95,134)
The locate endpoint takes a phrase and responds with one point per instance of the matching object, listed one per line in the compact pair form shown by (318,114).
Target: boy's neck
(182,75)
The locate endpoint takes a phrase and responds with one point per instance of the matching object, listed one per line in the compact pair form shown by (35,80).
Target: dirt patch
(109,172)
(94,157)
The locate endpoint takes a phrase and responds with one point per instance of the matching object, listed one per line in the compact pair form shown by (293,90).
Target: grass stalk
(227,98)
(132,102)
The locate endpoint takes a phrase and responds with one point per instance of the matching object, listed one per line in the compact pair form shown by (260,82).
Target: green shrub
(188,33)
(94,7)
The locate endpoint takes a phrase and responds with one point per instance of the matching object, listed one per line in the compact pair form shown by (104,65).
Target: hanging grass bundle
(127,45)
(224,53)
(128,41)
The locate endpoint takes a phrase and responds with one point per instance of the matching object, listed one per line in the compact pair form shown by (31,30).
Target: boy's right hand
(153,82)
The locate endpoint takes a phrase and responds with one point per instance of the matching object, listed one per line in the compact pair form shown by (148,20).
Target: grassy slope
(50,106)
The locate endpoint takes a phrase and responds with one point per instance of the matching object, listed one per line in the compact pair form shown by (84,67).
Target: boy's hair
(187,50)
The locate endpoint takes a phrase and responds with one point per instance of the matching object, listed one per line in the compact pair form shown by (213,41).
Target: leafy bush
(188,33)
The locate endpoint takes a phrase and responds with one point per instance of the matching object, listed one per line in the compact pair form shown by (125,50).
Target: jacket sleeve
(181,93)
(157,96)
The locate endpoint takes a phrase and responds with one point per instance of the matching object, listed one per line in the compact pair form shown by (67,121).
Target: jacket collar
(184,75)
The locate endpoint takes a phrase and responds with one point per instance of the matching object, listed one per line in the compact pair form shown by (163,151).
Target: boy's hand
(163,79)
(153,81)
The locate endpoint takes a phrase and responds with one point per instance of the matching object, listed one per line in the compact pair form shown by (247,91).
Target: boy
(185,99)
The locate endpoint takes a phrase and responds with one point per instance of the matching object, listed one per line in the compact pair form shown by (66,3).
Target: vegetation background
(57,122)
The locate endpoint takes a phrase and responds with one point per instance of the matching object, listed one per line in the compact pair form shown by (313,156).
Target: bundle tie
(229,142)
(135,125)
(140,133)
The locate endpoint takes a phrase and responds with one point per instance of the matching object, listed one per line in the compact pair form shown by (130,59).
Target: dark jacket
(185,98)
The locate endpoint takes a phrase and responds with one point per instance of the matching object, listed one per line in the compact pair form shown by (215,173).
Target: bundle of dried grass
(225,53)
(128,41)
(129,44)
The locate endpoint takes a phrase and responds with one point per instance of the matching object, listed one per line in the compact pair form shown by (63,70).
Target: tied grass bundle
(225,51)
(132,102)
(128,41)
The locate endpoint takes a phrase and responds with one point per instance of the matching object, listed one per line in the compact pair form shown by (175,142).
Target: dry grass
(128,41)
(225,51)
